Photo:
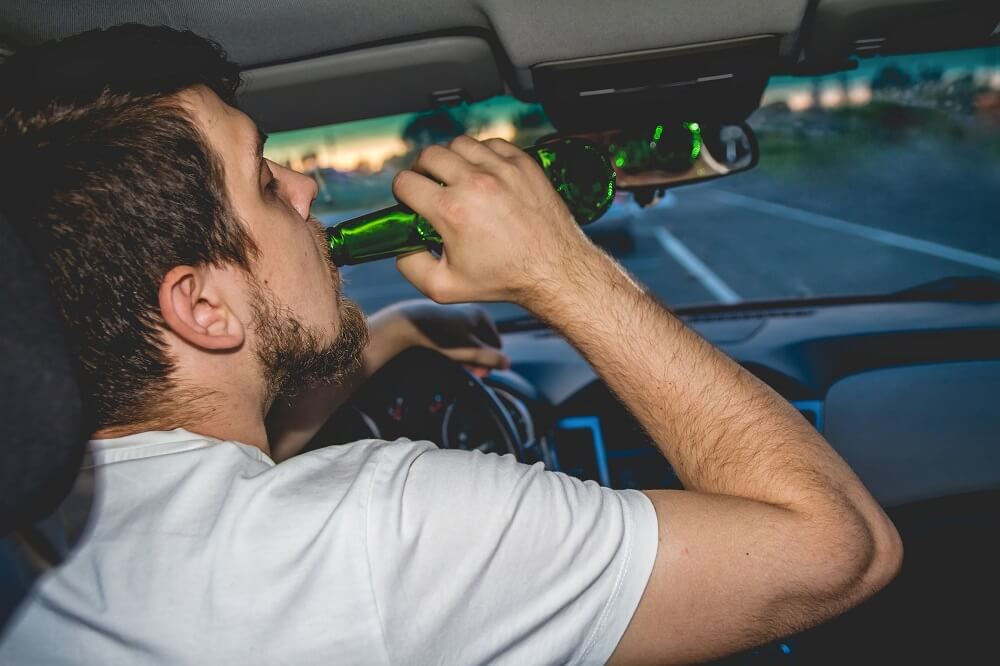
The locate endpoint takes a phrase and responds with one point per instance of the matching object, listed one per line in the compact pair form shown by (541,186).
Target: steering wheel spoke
(421,394)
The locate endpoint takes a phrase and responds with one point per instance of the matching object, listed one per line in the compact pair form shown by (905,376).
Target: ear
(193,307)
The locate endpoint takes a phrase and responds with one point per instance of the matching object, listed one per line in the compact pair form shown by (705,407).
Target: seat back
(41,432)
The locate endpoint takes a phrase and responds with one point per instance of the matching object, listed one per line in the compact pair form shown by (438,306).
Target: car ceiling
(258,32)
(316,41)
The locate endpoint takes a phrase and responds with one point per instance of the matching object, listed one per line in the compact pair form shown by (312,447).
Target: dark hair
(111,184)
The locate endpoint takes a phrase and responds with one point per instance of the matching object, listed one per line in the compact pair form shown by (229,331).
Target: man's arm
(465,334)
(774,532)
(778,533)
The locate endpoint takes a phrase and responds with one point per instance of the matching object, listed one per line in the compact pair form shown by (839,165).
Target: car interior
(903,381)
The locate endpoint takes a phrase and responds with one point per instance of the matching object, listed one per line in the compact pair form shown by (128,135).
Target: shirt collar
(155,443)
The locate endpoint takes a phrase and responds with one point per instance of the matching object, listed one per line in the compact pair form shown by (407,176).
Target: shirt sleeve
(476,558)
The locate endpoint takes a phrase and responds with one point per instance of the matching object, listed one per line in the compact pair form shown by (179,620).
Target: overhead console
(841,29)
(716,81)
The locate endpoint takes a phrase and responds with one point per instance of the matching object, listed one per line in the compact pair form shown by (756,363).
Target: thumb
(424,272)
(486,357)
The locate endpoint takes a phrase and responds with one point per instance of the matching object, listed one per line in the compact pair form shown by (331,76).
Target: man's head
(182,261)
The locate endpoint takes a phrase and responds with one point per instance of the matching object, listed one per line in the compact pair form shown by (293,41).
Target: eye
(272,186)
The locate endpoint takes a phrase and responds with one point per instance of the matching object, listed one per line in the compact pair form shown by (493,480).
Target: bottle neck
(382,233)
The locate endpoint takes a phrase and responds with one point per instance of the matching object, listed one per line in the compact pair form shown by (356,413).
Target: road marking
(695,266)
(861,231)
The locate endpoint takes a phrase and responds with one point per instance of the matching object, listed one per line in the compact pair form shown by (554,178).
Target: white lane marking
(861,231)
(695,266)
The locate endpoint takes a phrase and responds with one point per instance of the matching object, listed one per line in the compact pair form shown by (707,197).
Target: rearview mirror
(647,160)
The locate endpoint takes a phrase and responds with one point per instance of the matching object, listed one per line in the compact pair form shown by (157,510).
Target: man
(196,292)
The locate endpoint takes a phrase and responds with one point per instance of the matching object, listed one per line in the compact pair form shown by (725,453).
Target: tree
(891,77)
(438,126)
(532,117)
(930,74)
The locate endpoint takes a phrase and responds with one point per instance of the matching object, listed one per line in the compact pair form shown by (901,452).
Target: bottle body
(578,170)
(673,151)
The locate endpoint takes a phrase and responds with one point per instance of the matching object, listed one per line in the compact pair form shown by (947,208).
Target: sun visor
(859,28)
(719,81)
(376,81)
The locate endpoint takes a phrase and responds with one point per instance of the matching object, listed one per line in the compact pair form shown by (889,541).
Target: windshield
(870,181)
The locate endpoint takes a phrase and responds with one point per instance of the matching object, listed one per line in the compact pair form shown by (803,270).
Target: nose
(302,189)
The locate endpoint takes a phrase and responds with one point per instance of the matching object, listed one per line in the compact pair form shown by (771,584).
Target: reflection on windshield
(870,181)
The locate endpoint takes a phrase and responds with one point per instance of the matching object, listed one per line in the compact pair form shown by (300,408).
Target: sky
(344,145)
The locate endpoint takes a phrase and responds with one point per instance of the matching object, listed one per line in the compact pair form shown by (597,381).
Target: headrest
(41,438)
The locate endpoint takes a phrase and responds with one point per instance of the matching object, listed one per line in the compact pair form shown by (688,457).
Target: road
(763,235)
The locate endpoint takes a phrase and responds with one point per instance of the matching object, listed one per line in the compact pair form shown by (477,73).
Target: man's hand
(463,333)
(508,236)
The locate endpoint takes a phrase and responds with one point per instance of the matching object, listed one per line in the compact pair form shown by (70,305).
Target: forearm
(723,431)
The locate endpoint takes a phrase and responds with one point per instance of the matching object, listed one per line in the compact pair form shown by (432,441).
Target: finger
(423,271)
(484,328)
(477,371)
(443,165)
(416,191)
(485,357)
(473,151)
(503,148)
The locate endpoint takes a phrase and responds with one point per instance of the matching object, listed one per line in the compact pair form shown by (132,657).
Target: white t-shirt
(201,551)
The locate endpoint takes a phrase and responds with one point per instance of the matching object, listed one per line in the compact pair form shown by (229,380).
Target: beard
(293,356)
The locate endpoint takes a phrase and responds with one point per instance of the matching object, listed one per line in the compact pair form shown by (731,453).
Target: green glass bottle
(673,148)
(579,171)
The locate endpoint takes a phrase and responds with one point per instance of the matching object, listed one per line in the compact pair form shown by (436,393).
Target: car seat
(41,429)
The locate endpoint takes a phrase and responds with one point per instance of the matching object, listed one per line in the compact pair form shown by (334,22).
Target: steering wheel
(421,394)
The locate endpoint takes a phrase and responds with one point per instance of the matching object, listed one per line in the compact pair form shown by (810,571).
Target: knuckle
(524,160)
(485,183)
(495,142)
(437,291)
(398,180)
(460,140)
(507,167)
(452,208)
(428,154)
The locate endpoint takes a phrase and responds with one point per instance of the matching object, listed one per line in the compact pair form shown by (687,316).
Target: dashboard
(905,391)
(931,368)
